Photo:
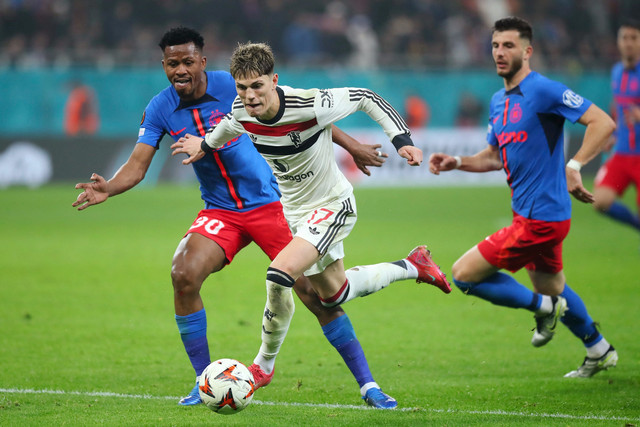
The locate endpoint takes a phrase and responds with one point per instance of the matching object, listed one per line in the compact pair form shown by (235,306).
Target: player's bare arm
(483,161)
(599,129)
(364,155)
(127,177)
(189,145)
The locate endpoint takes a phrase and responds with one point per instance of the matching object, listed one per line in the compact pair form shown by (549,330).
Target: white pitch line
(327,405)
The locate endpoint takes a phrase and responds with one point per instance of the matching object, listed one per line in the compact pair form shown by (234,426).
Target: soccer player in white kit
(291,129)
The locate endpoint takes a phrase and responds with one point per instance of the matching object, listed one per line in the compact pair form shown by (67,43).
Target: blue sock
(578,320)
(341,335)
(622,213)
(502,289)
(193,331)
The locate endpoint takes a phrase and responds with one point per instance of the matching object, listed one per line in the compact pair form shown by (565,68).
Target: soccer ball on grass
(226,386)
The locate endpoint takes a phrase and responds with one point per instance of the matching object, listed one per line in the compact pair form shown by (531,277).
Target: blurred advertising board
(39,160)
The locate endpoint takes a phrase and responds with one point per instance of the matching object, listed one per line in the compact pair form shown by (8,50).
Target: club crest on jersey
(572,99)
(295,137)
(215,117)
(516,114)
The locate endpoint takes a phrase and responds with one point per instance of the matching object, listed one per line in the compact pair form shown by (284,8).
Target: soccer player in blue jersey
(525,138)
(622,168)
(241,203)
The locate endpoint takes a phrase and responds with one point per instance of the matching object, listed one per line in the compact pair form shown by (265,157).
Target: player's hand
(367,155)
(95,192)
(190,145)
(440,162)
(575,187)
(412,153)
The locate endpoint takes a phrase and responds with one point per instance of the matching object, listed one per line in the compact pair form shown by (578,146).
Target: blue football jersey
(625,83)
(234,177)
(526,124)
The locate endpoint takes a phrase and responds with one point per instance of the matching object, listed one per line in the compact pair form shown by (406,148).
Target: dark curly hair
(631,23)
(514,23)
(181,35)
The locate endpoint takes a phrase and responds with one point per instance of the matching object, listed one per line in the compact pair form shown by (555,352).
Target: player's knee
(185,280)
(602,205)
(460,273)
(603,199)
(462,278)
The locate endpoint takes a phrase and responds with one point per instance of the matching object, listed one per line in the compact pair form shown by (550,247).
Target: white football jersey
(297,142)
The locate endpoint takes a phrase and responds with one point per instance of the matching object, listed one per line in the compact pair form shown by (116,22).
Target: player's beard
(516,65)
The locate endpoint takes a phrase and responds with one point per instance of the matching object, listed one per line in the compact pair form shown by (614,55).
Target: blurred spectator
(301,42)
(364,43)
(416,111)
(470,111)
(358,33)
(81,111)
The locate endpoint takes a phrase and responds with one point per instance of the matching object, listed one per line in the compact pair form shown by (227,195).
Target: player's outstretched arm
(441,162)
(190,145)
(129,174)
(599,129)
(483,161)
(364,155)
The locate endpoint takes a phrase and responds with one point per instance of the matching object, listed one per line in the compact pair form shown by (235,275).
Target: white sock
(598,350)
(367,279)
(368,386)
(275,324)
(412,271)
(546,305)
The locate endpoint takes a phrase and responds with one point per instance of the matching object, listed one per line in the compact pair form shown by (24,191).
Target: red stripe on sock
(337,295)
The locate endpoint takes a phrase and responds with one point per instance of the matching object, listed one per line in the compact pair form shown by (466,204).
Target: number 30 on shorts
(211,226)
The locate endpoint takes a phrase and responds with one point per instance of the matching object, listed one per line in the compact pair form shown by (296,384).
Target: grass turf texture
(86,309)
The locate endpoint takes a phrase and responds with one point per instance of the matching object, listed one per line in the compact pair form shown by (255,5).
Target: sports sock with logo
(577,319)
(341,335)
(277,316)
(502,289)
(193,331)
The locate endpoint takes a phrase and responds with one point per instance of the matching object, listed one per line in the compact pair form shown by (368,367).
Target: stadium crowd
(362,34)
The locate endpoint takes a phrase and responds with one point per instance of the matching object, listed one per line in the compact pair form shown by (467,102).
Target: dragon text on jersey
(283,167)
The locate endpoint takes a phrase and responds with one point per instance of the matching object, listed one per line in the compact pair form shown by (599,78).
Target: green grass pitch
(87,334)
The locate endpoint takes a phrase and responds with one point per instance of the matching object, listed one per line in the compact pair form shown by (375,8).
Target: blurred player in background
(623,167)
(526,140)
(291,128)
(241,203)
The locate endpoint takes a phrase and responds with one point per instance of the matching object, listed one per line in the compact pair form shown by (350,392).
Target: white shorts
(325,228)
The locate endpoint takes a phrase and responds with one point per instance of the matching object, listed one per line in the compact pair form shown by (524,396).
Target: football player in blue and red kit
(241,202)
(526,140)
(622,168)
